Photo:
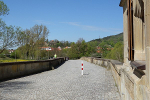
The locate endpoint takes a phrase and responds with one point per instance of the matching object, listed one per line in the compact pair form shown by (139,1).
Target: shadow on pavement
(30,74)
(14,85)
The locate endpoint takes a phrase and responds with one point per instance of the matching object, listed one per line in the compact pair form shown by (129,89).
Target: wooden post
(130,31)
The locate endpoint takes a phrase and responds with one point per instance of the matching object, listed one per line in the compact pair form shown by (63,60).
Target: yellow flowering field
(12,60)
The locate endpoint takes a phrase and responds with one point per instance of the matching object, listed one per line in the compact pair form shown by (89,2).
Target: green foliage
(73,51)
(8,34)
(2,56)
(117,52)
(3,8)
(15,54)
(31,40)
(104,48)
(57,43)
(110,40)
(80,49)
(43,54)
(114,38)
(105,44)
(65,52)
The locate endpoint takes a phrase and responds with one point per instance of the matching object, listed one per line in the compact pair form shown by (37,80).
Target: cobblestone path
(63,83)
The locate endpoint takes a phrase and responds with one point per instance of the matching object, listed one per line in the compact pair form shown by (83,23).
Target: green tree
(117,52)
(4,54)
(3,8)
(15,54)
(104,49)
(80,49)
(83,48)
(73,53)
(65,52)
(31,40)
(40,33)
(8,36)
(90,50)
(43,54)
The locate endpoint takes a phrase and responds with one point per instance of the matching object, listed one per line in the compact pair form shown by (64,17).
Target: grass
(12,60)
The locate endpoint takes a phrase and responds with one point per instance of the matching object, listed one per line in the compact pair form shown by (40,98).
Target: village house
(67,47)
(50,48)
(11,51)
(46,48)
(135,76)
(99,49)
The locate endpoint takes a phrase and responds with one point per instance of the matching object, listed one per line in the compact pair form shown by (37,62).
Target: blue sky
(68,20)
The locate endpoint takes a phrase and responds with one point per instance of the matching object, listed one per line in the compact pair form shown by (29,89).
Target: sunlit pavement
(63,83)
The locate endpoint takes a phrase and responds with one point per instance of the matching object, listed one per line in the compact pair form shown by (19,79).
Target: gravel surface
(63,83)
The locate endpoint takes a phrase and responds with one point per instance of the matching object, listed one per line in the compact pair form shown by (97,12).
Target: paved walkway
(63,83)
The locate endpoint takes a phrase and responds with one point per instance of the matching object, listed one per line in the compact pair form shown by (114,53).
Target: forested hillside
(113,38)
(110,47)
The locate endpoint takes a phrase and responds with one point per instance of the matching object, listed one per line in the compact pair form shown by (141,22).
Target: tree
(31,40)
(8,36)
(104,49)
(80,49)
(73,53)
(65,52)
(40,34)
(83,48)
(80,40)
(4,54)
(15,54)
(90,50)
(117,52)
(3,8)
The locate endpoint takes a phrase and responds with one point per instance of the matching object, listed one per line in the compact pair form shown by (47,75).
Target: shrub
(117,52)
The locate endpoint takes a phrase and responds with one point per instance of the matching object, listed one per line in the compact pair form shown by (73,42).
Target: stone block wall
(18,69)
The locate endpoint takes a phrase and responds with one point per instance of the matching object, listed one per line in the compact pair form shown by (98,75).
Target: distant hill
(114,38)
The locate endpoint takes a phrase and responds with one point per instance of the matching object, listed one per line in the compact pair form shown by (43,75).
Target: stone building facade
(135,74)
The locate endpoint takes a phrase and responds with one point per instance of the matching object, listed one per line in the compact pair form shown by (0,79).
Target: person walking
(55,56)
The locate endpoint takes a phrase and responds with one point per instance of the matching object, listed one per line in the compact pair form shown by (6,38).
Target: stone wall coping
(118,68)
(102,59)
(131,76)
(88,57)
(116,64)
(26,62)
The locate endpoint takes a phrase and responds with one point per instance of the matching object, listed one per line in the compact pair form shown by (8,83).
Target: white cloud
(93,28)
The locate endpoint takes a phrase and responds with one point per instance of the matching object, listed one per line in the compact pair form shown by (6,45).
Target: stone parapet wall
(18,69)
(114,65)
(130,86)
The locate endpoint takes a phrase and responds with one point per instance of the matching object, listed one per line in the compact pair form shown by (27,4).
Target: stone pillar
(125,33)
(139,38)
(147,20)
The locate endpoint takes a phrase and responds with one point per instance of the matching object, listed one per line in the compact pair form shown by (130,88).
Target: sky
(67,20)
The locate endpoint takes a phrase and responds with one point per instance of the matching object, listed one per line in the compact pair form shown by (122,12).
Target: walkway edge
(129,81)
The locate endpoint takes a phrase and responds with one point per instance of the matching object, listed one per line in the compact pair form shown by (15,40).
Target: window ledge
(138,64)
